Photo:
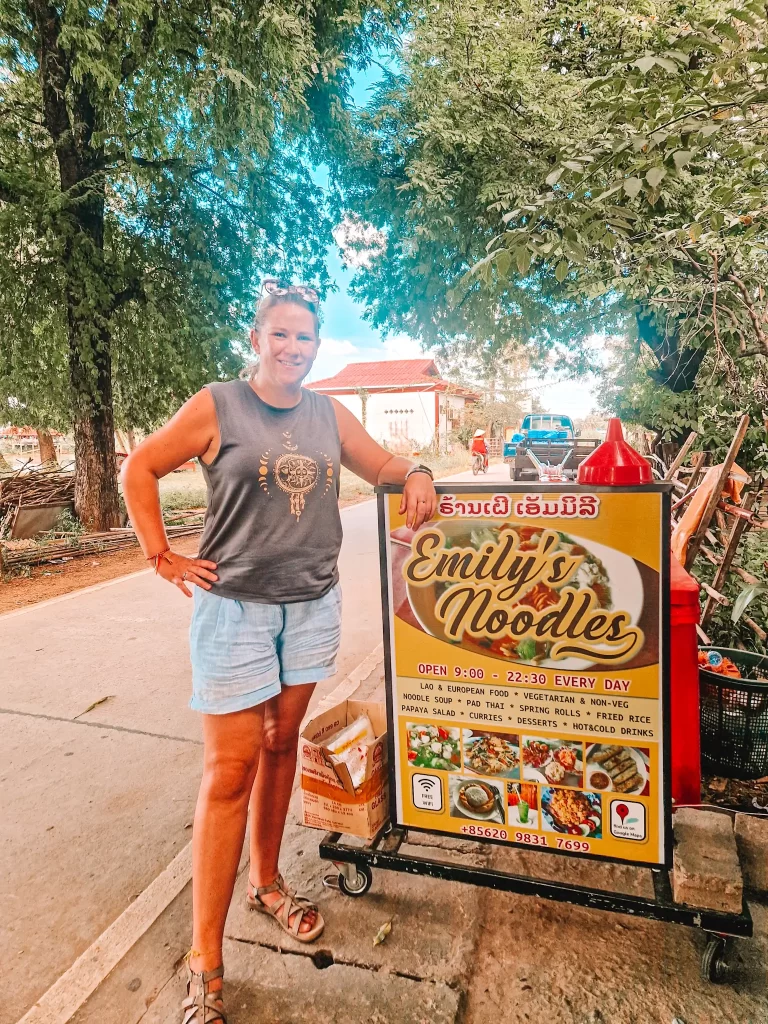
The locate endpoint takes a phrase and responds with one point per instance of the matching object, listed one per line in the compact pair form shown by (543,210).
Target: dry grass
(355,489)
(187,489)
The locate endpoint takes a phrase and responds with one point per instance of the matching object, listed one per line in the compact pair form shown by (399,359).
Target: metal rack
(356,863)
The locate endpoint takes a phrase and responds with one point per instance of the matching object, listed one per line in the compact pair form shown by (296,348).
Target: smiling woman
(266,624)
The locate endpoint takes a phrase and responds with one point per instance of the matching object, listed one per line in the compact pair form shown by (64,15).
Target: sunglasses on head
(274,286)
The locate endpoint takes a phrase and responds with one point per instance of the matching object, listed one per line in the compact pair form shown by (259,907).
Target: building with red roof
(403,402)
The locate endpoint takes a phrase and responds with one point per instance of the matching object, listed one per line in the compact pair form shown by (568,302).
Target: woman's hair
(294,297)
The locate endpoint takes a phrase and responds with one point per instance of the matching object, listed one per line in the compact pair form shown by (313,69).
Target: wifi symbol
(427,792)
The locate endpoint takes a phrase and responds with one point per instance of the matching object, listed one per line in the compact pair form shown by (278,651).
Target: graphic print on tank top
(294,473)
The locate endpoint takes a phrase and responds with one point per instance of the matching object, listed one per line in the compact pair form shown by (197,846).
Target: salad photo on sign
(527,594)
(433,746)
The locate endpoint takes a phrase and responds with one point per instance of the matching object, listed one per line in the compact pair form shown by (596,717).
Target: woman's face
(286,343)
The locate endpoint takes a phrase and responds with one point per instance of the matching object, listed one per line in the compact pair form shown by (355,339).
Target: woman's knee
(230,778)
(278,740)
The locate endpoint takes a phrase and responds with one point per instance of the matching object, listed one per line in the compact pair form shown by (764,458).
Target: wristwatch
(420,469)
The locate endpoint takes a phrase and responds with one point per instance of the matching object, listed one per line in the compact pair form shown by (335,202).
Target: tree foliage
(155,160)
(545,170)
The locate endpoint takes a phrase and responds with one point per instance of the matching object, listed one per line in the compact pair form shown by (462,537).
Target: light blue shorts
(243,652)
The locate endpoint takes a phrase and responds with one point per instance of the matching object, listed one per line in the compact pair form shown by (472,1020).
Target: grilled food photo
(620,764)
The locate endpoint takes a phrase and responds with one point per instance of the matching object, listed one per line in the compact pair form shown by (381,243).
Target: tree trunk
(47,449)
(96,497)
(72,120)
(90,375)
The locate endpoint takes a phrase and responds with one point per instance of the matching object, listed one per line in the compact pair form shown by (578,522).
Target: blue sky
(348,338)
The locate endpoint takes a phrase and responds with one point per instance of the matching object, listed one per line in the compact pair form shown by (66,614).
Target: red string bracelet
(156,558)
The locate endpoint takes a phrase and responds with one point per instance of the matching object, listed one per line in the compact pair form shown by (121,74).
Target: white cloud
(401,347)
(337,347)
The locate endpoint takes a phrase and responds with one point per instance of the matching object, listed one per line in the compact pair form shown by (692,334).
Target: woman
(267,606)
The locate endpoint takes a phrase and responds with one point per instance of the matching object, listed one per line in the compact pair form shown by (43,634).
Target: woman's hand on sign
(180,570)
(419,500)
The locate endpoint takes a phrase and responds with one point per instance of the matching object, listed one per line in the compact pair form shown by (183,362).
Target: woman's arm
(192,433)
(367,459)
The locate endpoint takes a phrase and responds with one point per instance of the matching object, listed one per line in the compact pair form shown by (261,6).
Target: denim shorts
(243,652)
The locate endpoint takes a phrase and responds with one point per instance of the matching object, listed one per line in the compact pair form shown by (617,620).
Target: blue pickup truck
(551,438)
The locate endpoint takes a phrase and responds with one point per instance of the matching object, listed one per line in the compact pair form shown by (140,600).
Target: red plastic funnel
(615,463)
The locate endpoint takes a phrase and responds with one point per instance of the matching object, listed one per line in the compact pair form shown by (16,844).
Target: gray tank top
(273,525)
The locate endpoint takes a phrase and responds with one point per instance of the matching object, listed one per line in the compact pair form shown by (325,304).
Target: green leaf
(655,175)
(682,157)
(632,186)
(745,599)
(645,64)
(503,262)
(526,649)
(694,231)
(523,257)
(668,65)
(561,270)
(554,177)
(724,29)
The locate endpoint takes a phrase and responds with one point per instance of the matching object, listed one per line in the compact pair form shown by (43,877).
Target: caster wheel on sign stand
(359,884)
(713,965)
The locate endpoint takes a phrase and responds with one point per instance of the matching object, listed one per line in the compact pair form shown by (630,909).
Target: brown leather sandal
(202,1006)
(290,906)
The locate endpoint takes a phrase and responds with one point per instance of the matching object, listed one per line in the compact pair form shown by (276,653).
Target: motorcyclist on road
(479,447)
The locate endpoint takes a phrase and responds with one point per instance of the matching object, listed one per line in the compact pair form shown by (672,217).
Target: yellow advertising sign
(526,652)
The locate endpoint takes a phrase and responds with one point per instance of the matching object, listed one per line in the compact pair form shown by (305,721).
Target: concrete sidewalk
(97,799)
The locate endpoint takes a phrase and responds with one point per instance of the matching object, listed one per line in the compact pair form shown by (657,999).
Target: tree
(548,171)
(153,162)
(478,103)
(664,204)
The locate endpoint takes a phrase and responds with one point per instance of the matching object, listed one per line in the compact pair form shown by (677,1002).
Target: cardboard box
(328,799)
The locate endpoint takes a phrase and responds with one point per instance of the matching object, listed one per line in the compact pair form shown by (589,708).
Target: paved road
(95,803)
(498,473)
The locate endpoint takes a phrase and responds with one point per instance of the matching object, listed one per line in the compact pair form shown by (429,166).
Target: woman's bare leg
(230,763)
(272,789)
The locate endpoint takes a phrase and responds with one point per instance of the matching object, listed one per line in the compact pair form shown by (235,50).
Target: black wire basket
(734,719)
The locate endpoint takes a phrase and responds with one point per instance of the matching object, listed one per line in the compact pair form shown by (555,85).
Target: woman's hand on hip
(180,570)
(419,500)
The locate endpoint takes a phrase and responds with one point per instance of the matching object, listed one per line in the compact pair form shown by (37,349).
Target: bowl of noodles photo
(618,582)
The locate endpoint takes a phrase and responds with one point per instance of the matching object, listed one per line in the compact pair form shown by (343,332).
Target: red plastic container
(615,463)
(684,666)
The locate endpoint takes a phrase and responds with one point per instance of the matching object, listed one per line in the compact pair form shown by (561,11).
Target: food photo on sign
(570,812)
(432,745)
(618,769)
(490,753)
(477,799)
(554,761)
(573,601)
